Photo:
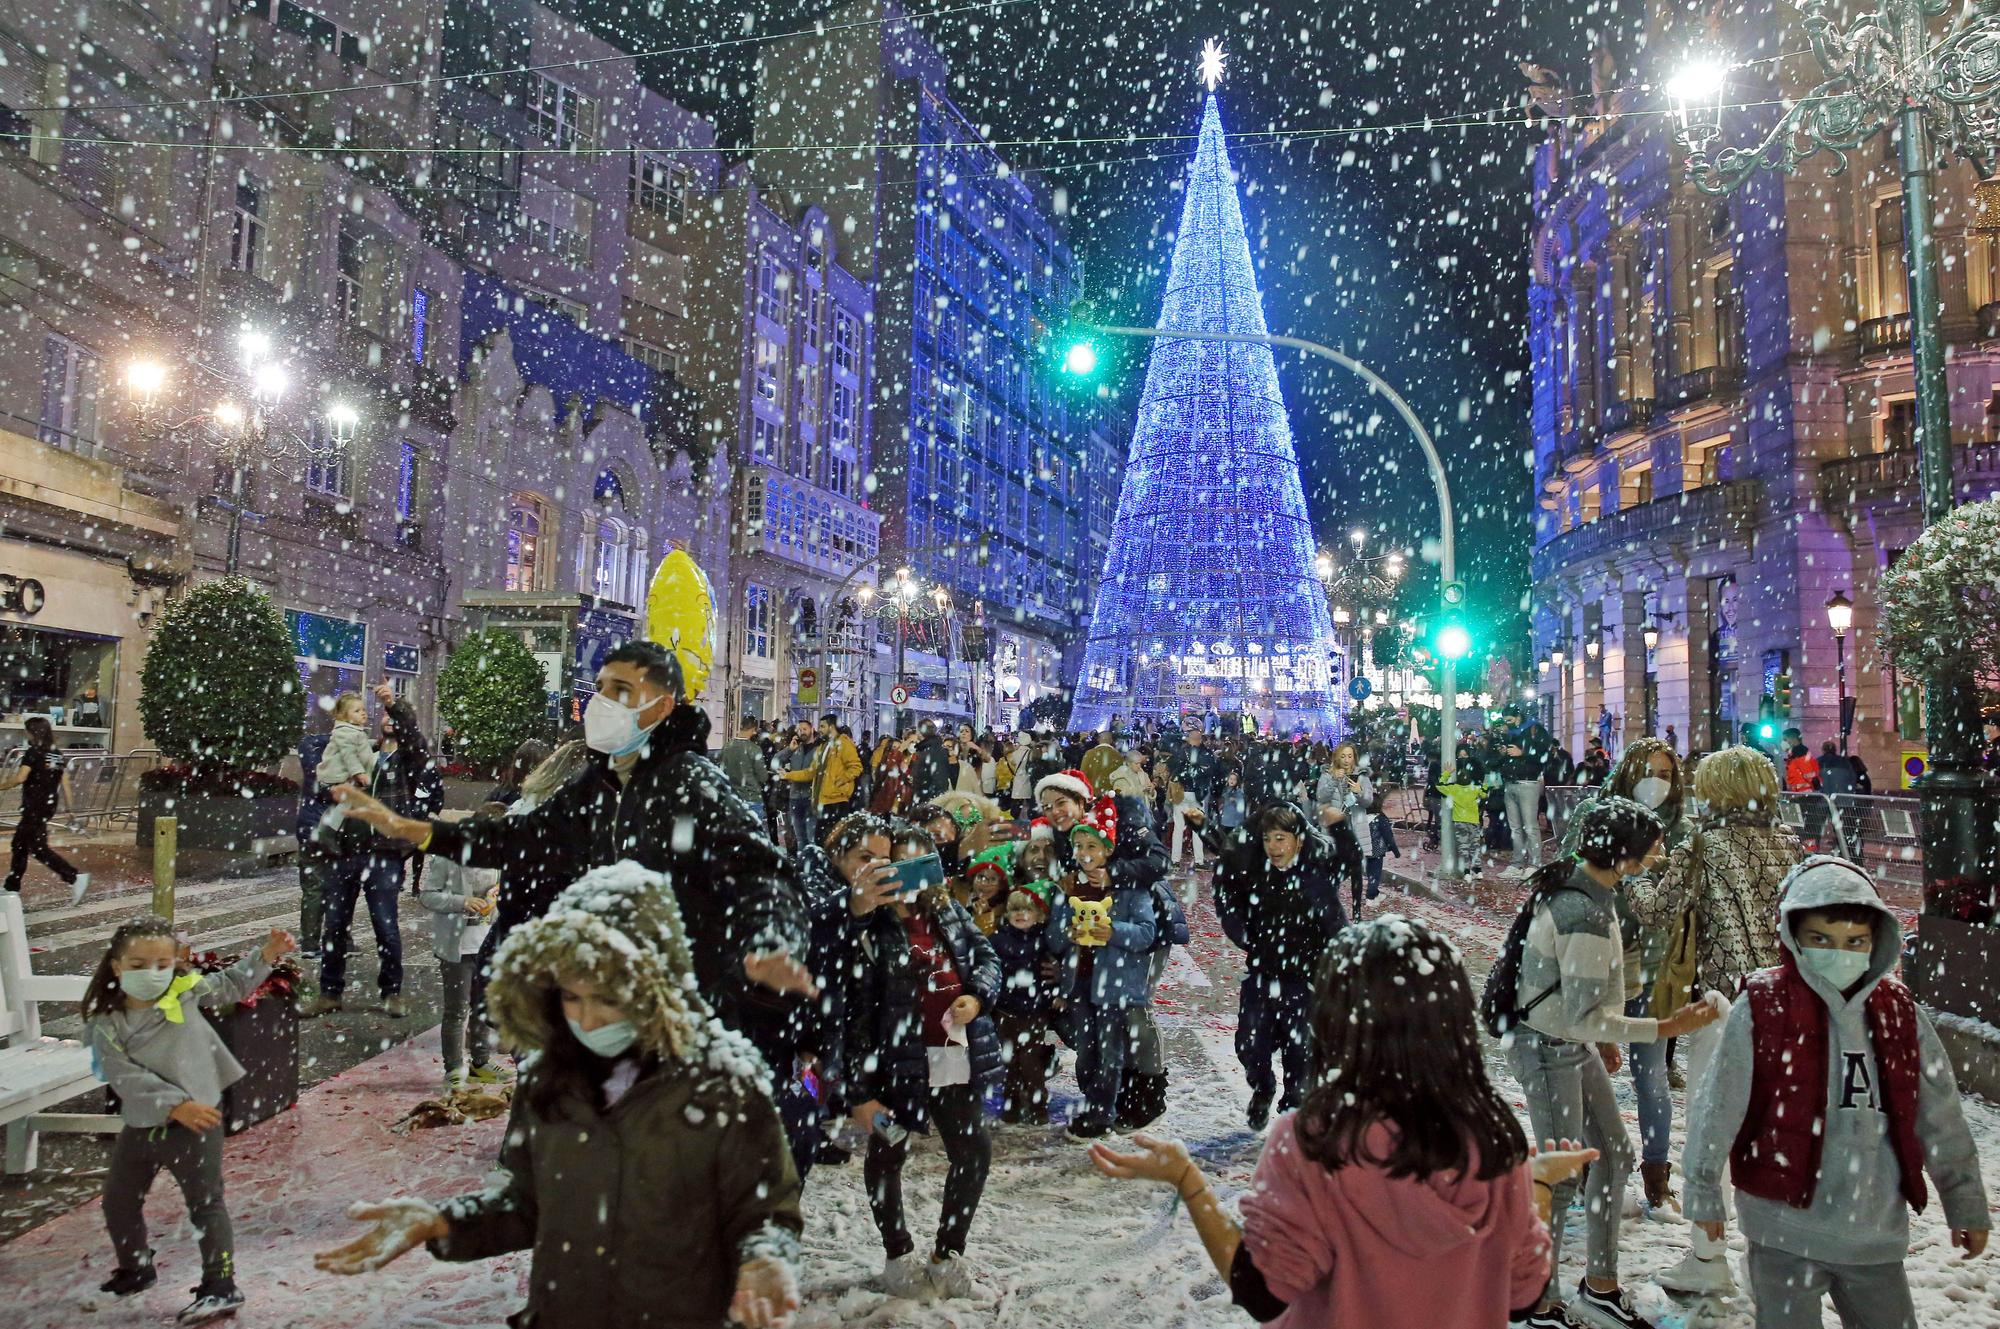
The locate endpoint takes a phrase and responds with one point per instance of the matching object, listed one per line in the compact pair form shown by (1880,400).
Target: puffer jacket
(639,1215)
(1120,976)
(1281,920)
(884,1051)
(1731,872)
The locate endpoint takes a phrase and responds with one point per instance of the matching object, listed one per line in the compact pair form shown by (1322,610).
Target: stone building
(1722,418)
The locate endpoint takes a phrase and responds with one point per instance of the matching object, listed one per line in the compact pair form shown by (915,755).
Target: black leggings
(959,1120)
(31,840)
(1347,859)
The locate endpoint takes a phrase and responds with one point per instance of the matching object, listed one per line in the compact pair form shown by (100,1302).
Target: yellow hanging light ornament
(680,615)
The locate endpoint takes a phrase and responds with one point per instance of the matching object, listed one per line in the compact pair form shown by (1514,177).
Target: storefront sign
(21,595)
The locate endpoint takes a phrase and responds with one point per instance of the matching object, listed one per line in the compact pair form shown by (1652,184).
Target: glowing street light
(144,380)
(255,346)
(341,422)
(230,416)
(268,381)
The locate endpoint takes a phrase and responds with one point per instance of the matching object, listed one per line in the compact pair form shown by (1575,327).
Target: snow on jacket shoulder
(1354,1246)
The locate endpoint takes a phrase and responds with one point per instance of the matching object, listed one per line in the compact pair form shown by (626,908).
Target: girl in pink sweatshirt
(1402,1194)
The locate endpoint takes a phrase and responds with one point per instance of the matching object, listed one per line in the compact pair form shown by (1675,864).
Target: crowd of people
(720,973)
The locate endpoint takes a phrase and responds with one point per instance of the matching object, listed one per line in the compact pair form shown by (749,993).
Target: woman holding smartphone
(921,1051)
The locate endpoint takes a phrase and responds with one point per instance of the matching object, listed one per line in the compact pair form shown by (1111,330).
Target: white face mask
(1652,791)
(146,984)
(612,727)
(1840,968)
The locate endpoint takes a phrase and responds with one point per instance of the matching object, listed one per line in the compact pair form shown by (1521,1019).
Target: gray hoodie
(1858,1215)
(156,1064)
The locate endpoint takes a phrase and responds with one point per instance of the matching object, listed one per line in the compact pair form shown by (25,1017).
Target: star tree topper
(1211,63)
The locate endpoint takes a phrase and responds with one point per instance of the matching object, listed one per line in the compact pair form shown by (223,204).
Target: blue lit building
(979,466)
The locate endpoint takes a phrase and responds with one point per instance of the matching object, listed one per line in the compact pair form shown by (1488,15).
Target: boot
(1659,1192)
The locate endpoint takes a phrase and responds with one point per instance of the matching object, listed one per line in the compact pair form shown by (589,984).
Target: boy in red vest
(1829,1100)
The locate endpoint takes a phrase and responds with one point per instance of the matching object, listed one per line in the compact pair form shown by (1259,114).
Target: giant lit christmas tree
(1209,598)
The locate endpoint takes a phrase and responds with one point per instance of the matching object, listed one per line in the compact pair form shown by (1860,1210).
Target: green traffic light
(1454,642)
(1767,730)
(1080,359)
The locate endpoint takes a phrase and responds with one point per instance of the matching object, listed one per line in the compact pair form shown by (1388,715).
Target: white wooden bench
(36,1072)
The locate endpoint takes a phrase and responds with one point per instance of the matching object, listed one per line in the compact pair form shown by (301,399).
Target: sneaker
(1089,1124)
(908,1277)
(1259,1115)
(1605,1310)
(951,1280)
(394,1006)
(1696,1276)
(211,1301)
(320,1005)
(77,888)
(489,1074)
(1555,1317)
(454,1080)
(124,1282)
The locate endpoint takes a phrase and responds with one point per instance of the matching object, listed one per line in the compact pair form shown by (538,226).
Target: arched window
(611,564)
(529,529)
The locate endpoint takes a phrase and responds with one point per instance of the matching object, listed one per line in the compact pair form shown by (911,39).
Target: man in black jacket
(932,772)
(651,794)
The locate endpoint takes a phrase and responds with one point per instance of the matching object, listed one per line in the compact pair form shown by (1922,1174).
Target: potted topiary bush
(220,697)
(493,697)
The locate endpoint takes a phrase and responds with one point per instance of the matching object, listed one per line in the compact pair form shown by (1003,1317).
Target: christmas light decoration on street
(1928,74)
(1210,594)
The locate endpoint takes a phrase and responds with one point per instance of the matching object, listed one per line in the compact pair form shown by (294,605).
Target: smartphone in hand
(916,875)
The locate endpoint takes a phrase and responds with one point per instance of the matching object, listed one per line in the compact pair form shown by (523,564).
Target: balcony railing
(1701,384)
(1890,478)
(1681,518)
(1635,413)
(1885,336)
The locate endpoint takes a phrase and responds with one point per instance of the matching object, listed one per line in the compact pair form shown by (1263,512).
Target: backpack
(1499,1008)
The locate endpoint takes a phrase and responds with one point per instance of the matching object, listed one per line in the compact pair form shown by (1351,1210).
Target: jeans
(1180,811)
(313,867)
(31,840)
(380,877)
(1275,1015)
(1372,870)
(799,813)
(137,1156)
(1106,1042)
(959,1119)
(1649,1082)
(1570,1098)
(464,1012)
(1524,803)
(1788,1289)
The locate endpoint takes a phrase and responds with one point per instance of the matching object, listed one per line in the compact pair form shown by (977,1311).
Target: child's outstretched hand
(1557,1161)
(1160,1159)
(766,1294)
(1971,1240)
(278,944)
(400,1227)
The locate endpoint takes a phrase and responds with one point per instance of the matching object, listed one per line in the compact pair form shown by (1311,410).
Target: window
(846,342)
(556,304)
(352,48)
(326,475)
(70,379)
(757,621)
(656,358)
(347,282)
(246,239)
(1728,317)
(1590,504)
(613,559)
(1704,463)
(1892,276)
(1899,426)
(406,481)
(558,219)
(764,438)
(773,285)
(420,321)
(479,168)
(528,525)
(561,114)
(1635,486)
(768,370)
(660,185)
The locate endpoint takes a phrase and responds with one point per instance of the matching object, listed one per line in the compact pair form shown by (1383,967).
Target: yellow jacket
(836,770)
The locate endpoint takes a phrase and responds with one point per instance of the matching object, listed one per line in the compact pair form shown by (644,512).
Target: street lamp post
(1886,71)
(1840,617)
(1450,592)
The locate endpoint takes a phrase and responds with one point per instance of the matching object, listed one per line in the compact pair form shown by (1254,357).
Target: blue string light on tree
(1209,595)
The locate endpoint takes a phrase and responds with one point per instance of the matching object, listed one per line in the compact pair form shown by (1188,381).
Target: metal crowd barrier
(1884,832)
(102,789)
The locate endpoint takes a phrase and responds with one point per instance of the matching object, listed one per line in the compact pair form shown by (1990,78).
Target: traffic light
(1767,718)
(1781,693)
(1452,640)
(1080,357)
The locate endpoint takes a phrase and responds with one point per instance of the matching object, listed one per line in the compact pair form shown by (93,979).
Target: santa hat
(1071,782)
(1039,829)
(1101,821)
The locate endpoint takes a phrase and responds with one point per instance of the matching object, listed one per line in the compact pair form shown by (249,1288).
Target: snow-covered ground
(1059,1245)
